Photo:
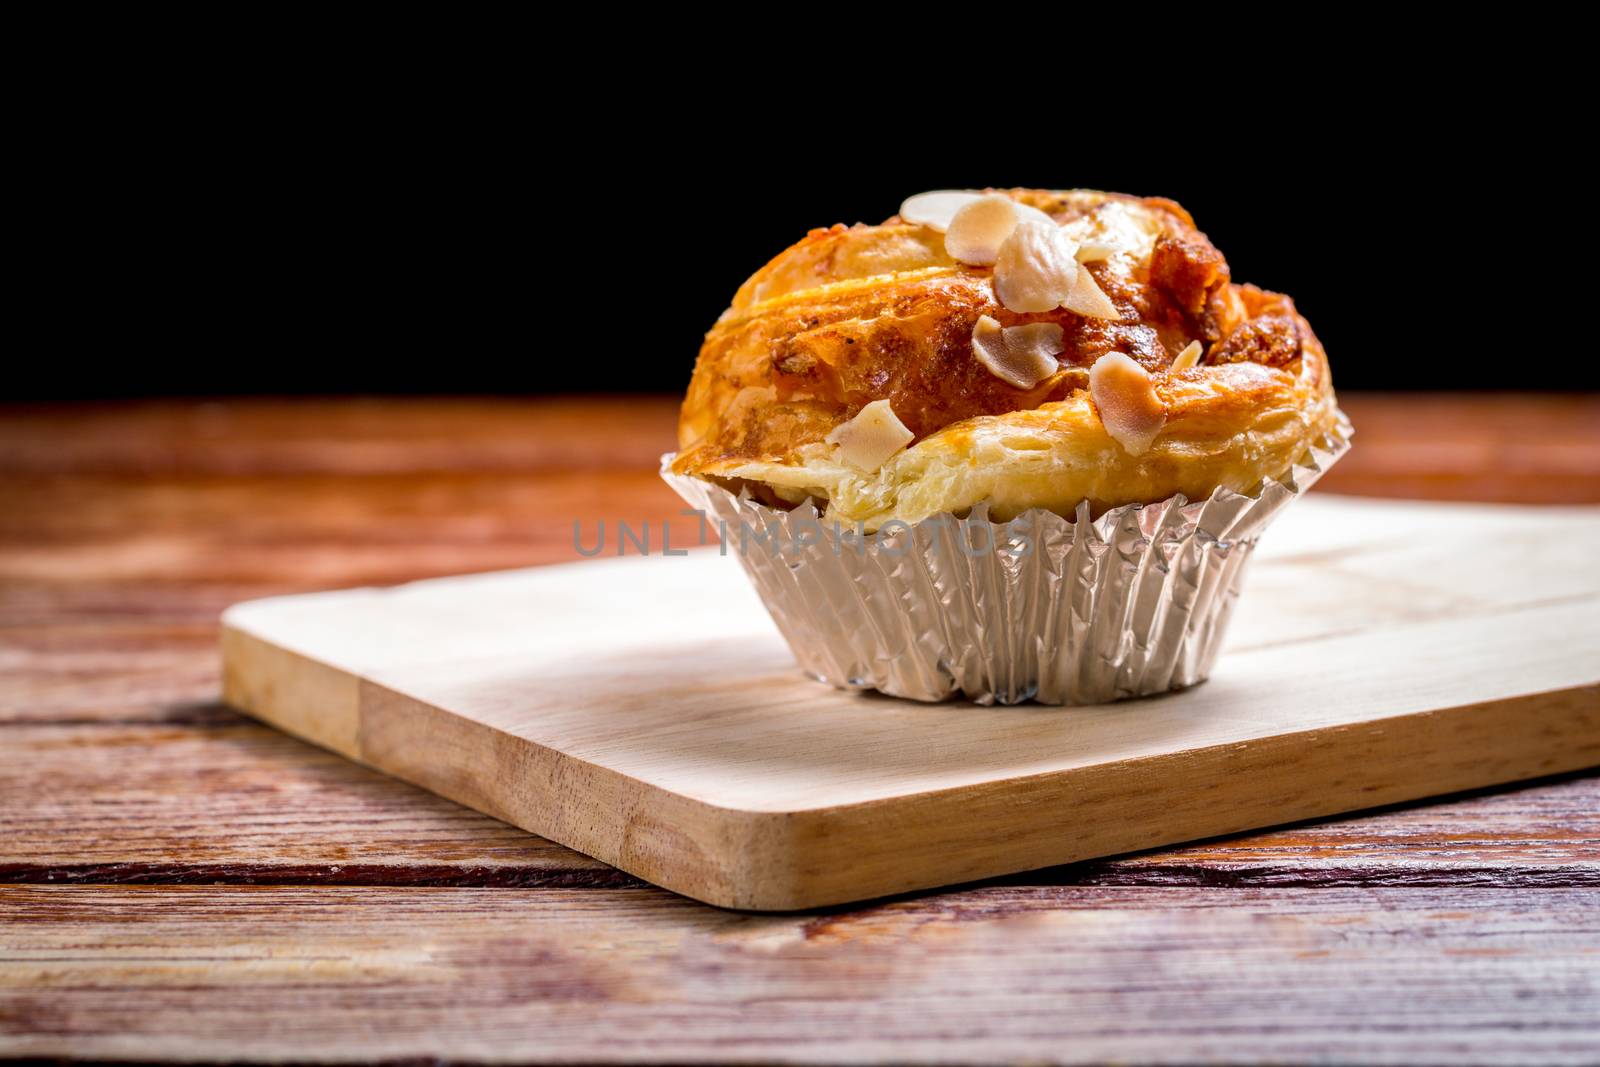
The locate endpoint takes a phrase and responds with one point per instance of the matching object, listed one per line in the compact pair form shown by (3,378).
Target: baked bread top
(959,353)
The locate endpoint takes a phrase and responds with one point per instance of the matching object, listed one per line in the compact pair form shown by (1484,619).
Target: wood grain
(1484,447)
(127,528)
(237,802)
(1038,974)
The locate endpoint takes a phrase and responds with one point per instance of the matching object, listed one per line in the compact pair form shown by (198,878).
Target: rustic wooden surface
(645,711)
(180,883)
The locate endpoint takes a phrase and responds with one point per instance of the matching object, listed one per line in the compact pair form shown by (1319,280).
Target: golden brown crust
(852,315)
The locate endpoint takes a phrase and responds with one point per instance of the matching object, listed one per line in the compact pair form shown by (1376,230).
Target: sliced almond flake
(1126,399)
(1189,357)
(935,210)
(869,439)
(1034,270)
(1088,299)
(1094,251)
(1131,229)
(1033,214)
(979,229)
(1022,356)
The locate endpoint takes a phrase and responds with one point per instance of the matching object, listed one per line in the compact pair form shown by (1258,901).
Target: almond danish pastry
(1059,367)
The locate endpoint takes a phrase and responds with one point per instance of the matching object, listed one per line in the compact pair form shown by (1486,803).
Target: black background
(487,237)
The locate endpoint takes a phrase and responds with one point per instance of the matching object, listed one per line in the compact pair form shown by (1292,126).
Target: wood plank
(159,514)
(679,745)
(121,671)
(129,527)
(176,548)
(360,436)
(1490,446)
(122,539)
(1041,974)
(110,587)
(237,802)
(1544,834)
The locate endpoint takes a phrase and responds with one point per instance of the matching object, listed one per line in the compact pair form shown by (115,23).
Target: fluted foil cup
(1079,610)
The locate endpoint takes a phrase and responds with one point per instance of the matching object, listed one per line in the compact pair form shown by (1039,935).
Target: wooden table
(178,882)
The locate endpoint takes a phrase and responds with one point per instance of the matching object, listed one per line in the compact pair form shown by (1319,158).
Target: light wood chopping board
(646,712)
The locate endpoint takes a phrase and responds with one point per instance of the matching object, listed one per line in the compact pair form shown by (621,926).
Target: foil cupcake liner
(1079,610)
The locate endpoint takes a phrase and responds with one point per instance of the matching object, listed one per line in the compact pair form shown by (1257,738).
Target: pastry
(1064,356)
(852,315)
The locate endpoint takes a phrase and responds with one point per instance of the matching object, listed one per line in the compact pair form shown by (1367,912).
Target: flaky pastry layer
(852,315)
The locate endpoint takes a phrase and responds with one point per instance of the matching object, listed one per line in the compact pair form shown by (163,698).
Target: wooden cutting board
(646,712)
